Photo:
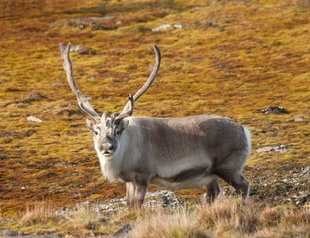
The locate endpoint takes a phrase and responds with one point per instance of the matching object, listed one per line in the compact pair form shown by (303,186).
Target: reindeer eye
(117,132)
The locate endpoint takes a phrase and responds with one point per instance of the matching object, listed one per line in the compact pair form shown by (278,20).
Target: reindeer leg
(142,183)
(130,192)
(231,171)
(236,179)
(213,190)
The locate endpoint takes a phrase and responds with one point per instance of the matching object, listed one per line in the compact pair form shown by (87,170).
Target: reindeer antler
(82,101)
(128,109)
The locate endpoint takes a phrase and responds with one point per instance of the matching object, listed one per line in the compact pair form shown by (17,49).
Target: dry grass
(230,215)
(227,217)
(40,213)
(162,224)
(84,218)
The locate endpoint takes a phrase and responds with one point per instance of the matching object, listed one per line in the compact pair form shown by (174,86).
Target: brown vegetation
(230,58)
(227,217)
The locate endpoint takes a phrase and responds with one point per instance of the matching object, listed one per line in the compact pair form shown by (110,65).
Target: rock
(259,130)
(177,26)
(34,97)
(69,112)
(8,232)
(82,50)
(97,27)
(297,119)
(161,28)
(278,148)
(29,132)
(91,78)
(48,108)
(153,200)
(81,23)
(166,26)
(123,232)
(163,198)
(275,110)
(106,18)
(34,119)
(67,104)
(57,85)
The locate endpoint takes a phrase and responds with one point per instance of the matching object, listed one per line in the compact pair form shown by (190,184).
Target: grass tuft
(163,224)
(85,217)
(230,214)
(38,214)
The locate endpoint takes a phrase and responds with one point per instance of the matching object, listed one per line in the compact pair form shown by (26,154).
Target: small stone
(259,130)
(7,233)
(177,26)
(82,50)
(275,110)
(118,22)
(34,119)
(164,198)
(86,51)
(69,112)
(123,232)
(297,119)
(278,148)
(161,28)
(106,18)
(48,108)
(58,85)
(34,97)
(82,26)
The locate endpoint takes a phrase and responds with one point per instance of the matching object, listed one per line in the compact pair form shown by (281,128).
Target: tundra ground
(231,58)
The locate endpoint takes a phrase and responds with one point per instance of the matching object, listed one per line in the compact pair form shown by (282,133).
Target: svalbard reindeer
(176,153)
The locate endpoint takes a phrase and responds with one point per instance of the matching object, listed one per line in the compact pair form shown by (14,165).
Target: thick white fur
(248,138)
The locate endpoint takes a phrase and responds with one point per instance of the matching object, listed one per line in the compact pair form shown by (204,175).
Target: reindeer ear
(90,124)
(124,124)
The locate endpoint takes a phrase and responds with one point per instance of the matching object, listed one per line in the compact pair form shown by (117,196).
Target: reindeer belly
(185,178)
(192,182)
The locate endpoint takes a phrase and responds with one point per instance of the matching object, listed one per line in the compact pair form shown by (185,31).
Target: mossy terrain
(230,58)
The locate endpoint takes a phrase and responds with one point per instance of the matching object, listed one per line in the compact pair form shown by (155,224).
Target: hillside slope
(230,58)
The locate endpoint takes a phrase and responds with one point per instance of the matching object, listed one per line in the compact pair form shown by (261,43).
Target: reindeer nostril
(106,147)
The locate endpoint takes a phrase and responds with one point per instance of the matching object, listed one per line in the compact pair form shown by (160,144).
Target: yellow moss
(231,58)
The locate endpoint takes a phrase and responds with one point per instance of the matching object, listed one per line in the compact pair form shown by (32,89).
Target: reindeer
(176,153)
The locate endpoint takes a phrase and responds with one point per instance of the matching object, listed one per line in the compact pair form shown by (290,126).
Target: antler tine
(148,83)
(150,80)
(82,101)
(129,111)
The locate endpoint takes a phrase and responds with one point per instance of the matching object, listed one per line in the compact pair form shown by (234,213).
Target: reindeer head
(107,129)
